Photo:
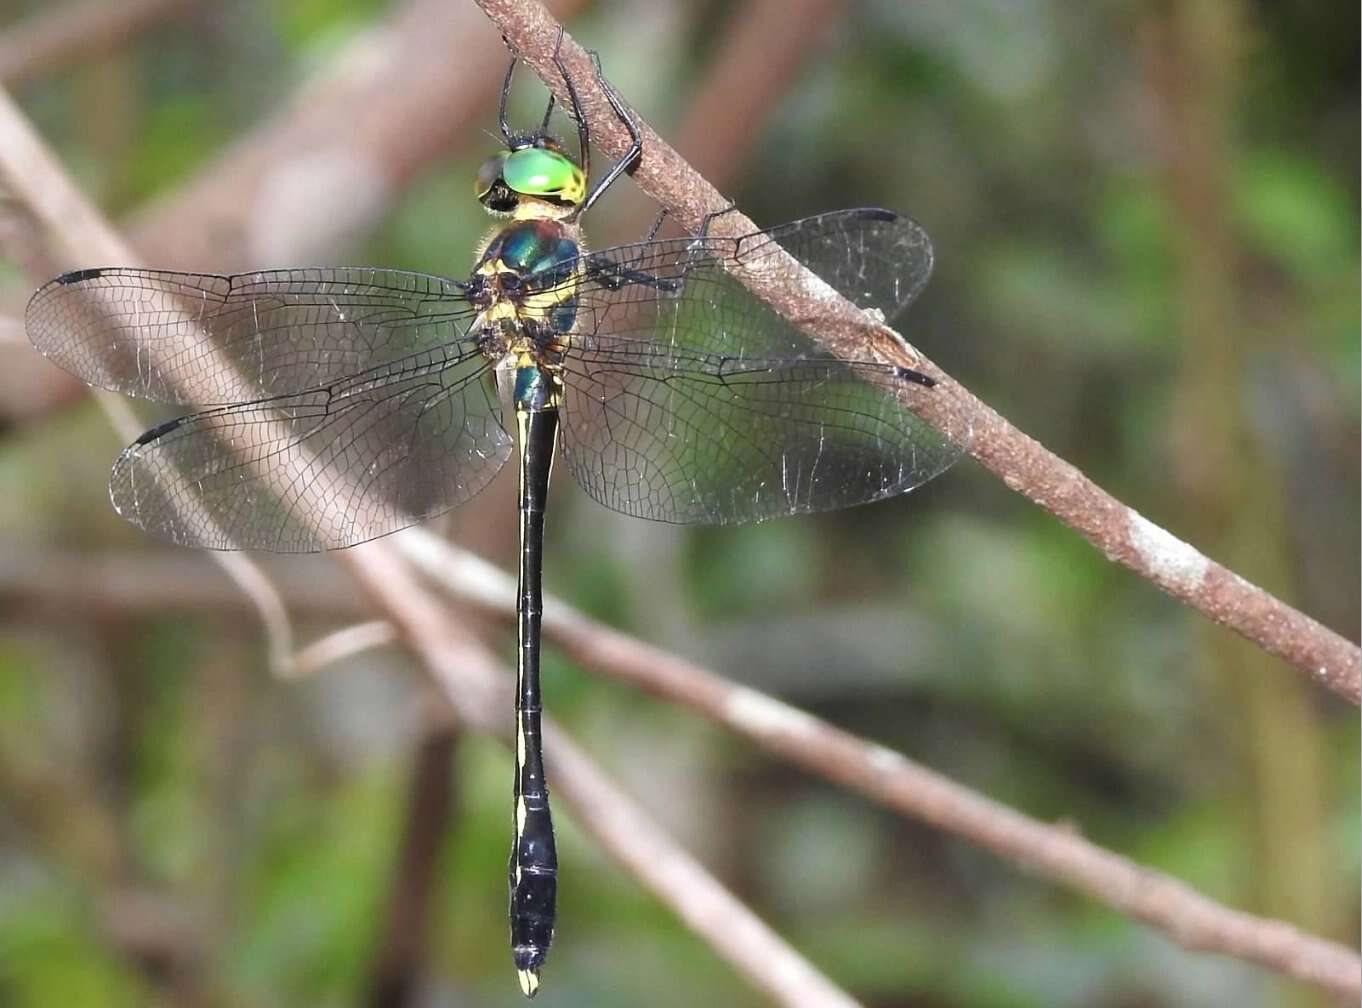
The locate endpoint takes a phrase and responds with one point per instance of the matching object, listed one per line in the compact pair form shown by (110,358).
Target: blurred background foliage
(1146,219)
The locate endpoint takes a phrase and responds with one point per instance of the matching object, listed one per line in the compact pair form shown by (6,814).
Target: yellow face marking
(530,208)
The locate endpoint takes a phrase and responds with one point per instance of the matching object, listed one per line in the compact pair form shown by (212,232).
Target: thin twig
(1023,464)
(159,581)
(1055,852)
(760,51)
(478,691)
(340,644)
(394,977)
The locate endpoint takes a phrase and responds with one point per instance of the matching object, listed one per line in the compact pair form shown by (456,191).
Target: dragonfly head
(534,178)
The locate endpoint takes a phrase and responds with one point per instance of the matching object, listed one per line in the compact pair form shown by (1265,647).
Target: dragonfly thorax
(525,286)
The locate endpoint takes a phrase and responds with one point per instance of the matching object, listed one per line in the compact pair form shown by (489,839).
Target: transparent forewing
(873,258)
(688,400)
(195,338)
(322,469)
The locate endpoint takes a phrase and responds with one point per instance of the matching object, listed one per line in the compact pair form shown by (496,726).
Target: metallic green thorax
(525,284)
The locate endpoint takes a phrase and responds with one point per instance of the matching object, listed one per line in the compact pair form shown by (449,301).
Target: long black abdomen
(534,860)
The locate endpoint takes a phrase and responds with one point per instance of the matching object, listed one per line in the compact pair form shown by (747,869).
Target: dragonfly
(334,405)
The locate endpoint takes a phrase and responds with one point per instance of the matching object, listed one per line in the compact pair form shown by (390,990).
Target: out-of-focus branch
(477,690)
(762,49)
(885,776)
(332,161)
(31,175)
(759,53)
(141,581)
(471,681)
(65,33)
(396,971)
(1023,464)
(341,644)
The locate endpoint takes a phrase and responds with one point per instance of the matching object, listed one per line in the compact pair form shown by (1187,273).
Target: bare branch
(64,33)
(341,644)
(32,176)
(1023,464)
(479,693)
(141,581)
(887,777)
(396,970)
(12,332)
(471,681)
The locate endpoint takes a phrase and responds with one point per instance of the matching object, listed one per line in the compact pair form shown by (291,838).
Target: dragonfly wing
(317,470)
(689,400)
(196,338)
(873,258)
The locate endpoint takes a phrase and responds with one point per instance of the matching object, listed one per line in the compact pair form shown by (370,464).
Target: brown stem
(885,776)
(478,691)
(396,972)
(1023,464)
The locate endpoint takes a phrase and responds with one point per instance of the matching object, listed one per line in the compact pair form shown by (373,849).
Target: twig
(342,643)
(1023,464)
(64,33)
(31,175)
(159,581)
(395,974)
(478,692)
(887,777)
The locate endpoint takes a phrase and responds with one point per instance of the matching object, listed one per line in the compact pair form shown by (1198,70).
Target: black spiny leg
(631,156)
(505,94)
(578,116)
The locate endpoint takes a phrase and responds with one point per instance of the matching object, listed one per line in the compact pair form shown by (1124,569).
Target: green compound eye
(535,171)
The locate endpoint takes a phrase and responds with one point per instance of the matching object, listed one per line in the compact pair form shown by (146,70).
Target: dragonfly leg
(657,225)
(578,116)
(505,94)
(612,276)
(635,151)
(711,217)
